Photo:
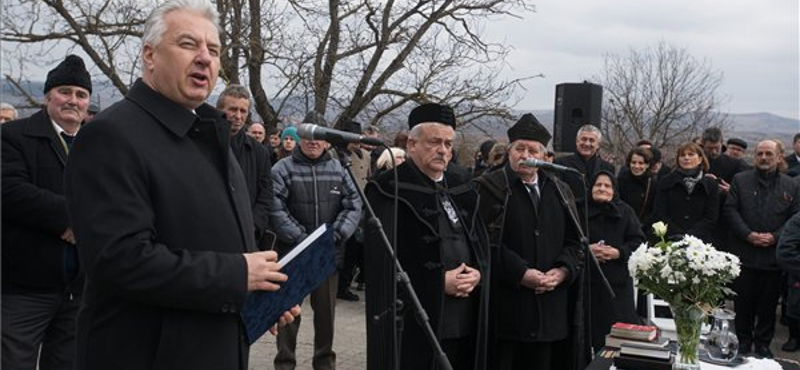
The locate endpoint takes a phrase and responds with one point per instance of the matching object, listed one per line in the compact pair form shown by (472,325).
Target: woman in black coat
(687,200)
(637,187)
(614,233)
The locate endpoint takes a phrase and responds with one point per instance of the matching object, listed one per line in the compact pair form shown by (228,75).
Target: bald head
(767,156)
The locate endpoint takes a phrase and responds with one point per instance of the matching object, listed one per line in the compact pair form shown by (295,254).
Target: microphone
(310,131)
(533,162)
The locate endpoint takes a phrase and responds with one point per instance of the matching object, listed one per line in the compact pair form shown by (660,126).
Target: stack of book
(640,348)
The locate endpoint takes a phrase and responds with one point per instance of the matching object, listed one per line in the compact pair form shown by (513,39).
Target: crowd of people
(133,241)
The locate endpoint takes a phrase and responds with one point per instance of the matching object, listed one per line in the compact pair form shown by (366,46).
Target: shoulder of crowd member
(456,175)
(566,160)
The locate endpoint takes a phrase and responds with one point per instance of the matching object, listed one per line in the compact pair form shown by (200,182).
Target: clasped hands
(604,252)
(460,281)
(542,282)
(762,240)
(263,273)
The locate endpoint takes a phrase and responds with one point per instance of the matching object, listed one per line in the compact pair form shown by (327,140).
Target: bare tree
(662,94)
(349,59)
(105,31)
(370,58)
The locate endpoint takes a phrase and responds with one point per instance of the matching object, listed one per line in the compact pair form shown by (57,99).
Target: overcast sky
(754,44)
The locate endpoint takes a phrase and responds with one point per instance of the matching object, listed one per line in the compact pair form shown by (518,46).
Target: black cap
(529,128)
(432,112)
(71,71)
(738,142)
(352,126)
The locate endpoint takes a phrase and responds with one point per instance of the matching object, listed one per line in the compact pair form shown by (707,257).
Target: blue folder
(306,272)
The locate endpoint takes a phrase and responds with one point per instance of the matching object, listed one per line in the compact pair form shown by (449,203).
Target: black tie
(67,139)
(533,189)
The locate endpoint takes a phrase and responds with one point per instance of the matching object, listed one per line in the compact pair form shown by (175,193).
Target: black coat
(726,167)
(758,203)
(793,164)
(788,251)
(616,225)
(418,250)
(528,240)
(638,192)
(34,208)
(162,216)
(254,160)
(695,214)
(589,167)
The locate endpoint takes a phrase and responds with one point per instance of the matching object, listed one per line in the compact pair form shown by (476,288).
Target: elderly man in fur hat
(42,281)
(538,256)
(441,244)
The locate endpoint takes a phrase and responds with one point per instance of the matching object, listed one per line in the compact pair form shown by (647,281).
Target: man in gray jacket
(311,188)
(759,203)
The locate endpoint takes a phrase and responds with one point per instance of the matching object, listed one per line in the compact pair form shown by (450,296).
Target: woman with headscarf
(637,187)
(687,200)
(614,233)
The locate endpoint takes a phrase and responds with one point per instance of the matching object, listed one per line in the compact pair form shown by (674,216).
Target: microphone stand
(400,274)
(589,260)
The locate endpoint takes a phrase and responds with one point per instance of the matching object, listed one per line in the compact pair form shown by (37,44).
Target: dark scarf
(690,178)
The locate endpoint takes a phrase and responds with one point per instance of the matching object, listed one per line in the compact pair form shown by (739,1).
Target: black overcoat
(254,160)
(695,214)
(758,202)
(528,240)
(616,225)
(419,252)
(34,208)
(639,192)
(162,216)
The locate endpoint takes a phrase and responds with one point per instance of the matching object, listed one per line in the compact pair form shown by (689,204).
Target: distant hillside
(751,127)
(764,123)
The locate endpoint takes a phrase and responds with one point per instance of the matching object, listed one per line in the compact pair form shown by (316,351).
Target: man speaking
(161,213)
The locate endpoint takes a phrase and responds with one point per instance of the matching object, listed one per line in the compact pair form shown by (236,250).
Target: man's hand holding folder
(306,266)
(263,273)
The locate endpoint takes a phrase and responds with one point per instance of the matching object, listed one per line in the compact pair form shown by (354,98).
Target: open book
(308,265)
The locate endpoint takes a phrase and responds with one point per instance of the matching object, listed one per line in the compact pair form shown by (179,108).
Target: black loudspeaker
(576,105)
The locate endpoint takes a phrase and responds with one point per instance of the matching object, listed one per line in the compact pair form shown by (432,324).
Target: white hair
(6,106)
(155,26)
(416,131)
(385,159)
(590,128)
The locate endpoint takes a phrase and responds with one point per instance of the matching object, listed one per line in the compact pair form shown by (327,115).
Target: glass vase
(688,321)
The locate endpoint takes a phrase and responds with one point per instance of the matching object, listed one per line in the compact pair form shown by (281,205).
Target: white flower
(666,271)
(660,229)
(687,270)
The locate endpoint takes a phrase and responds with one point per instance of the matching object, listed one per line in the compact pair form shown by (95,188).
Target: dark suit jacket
(254,160)
(34,208)
(162,216)
(793,163)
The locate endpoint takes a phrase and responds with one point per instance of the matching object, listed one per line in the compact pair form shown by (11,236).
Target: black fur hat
(71,71)
(529,128)
(432,112)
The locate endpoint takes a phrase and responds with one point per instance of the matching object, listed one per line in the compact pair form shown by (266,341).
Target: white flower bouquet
(687,272)
(690,275)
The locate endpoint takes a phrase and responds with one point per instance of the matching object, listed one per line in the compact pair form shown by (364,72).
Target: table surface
(601,363)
